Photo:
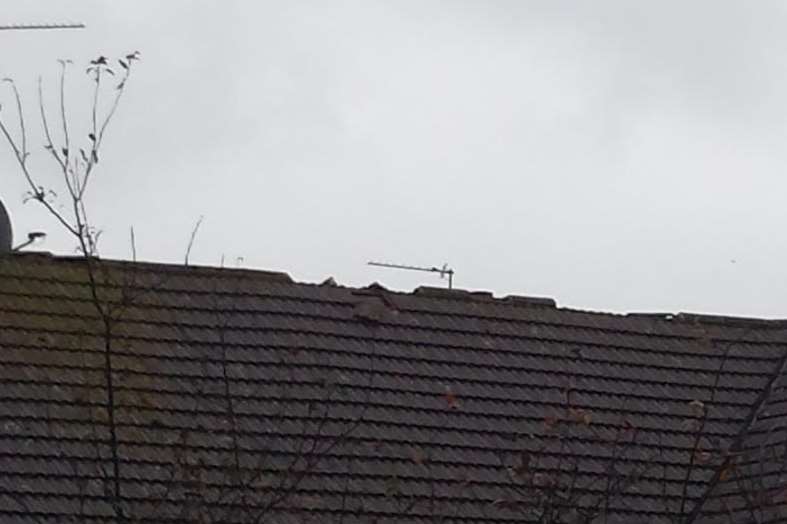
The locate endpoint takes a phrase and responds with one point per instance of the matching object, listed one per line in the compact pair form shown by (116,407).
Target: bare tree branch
(80,227)
(191,240)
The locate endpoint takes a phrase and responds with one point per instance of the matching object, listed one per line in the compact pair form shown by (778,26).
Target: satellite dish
(6,236)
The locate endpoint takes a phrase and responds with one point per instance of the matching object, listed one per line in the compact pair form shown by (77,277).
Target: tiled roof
(244,396)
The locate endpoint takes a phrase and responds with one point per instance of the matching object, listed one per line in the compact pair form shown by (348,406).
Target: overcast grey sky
(614,155)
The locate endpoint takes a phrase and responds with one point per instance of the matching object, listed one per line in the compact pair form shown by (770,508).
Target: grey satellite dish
(6,236)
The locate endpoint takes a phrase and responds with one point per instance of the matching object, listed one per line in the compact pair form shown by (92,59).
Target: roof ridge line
(482,296)
(163,267)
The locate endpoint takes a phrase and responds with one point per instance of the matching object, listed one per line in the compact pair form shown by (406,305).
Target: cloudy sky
(614,155)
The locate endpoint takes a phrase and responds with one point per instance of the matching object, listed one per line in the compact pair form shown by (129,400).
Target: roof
(244,396)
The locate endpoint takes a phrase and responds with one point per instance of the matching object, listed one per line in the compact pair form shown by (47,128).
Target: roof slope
(244,396)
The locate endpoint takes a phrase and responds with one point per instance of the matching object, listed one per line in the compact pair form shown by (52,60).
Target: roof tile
(413,404)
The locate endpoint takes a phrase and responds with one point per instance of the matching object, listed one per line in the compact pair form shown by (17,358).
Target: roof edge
(714,320)
(163,267)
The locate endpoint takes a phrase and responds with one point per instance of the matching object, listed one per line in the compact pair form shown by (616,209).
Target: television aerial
(28,27)
(444,271)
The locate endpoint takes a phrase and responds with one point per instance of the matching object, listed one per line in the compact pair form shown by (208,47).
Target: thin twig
(98,133)
(21,116)
(191,239)
(50,145)
(36,192)
(133,245)
(67,151)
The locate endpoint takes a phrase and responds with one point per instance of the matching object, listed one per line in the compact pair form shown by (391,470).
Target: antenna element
(23,27)
(444,271)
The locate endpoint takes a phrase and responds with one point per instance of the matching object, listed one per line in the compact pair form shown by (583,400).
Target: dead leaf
(580,415)
(508,503)
(525,459)
(727,472)
(450,398)
(392,486)
(147,400)
(550,422)
(702,457)
(417,455)
(542,480)
(308,502)
(697,407)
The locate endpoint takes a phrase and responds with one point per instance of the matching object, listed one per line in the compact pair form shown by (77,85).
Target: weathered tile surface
(241,395)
